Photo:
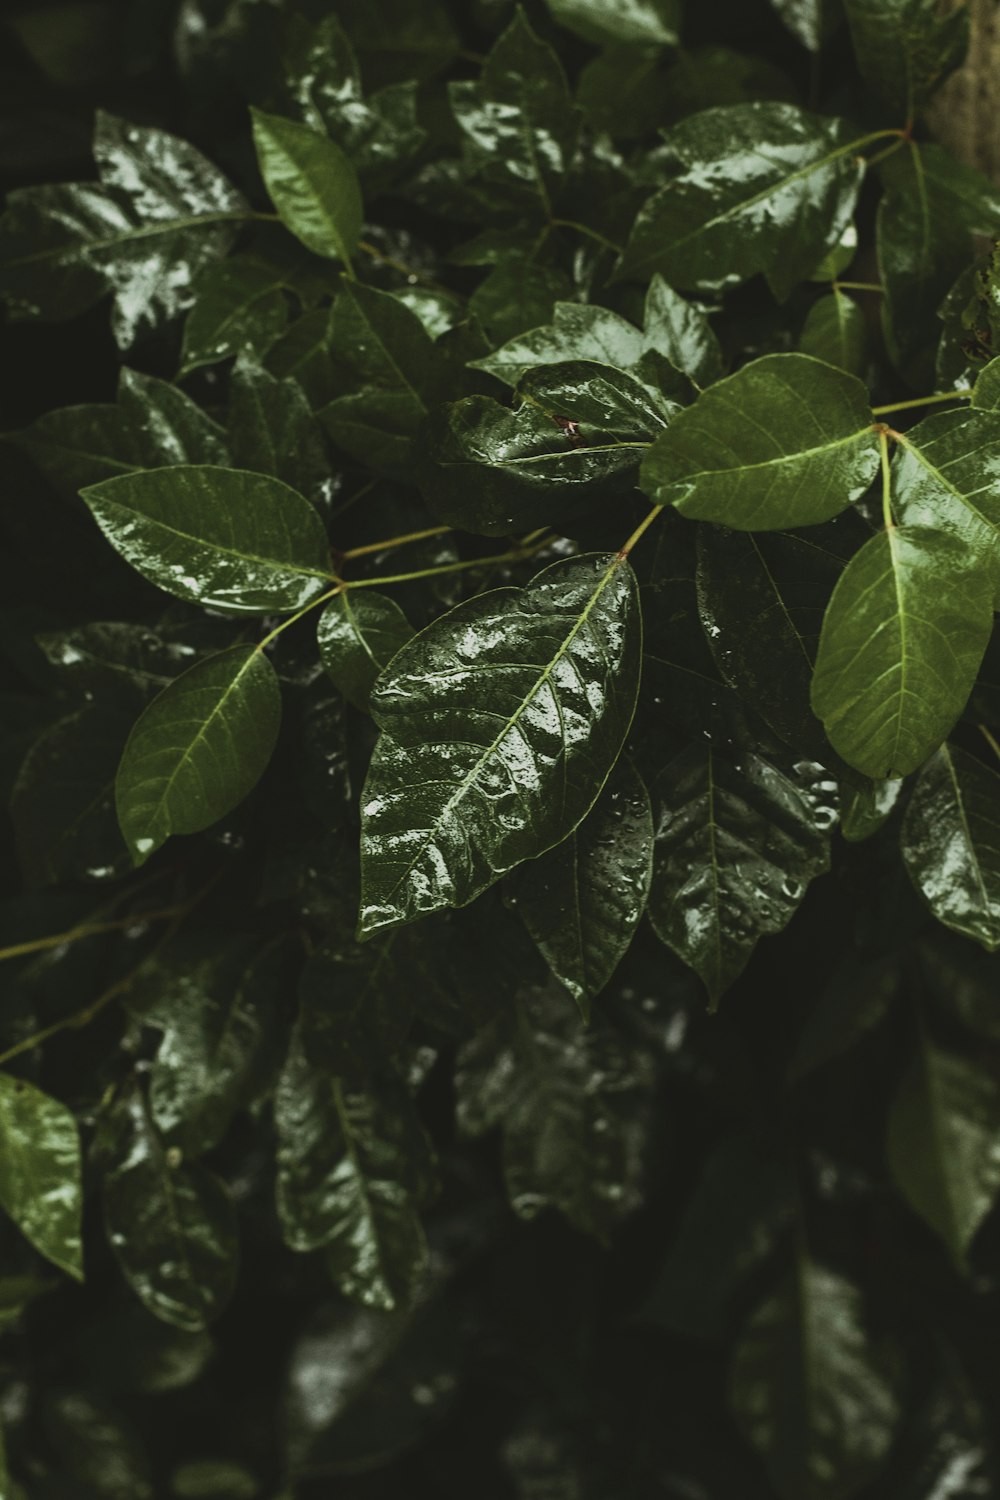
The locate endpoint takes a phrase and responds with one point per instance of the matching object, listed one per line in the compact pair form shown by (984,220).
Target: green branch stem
(936,399)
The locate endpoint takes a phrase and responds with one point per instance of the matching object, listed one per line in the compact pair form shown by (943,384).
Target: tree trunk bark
(965,114)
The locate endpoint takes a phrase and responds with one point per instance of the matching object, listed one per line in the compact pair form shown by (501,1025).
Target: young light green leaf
(943,477)
(41,1184)
(786,441)
(172,1226)
(359,634)
(224,538)
(809,1390)
(500,724)
(951,843)
(901,644)
(312,184)
(835,331)
(574,435)
(160,213)
(240,304)
(583,900)
(942,1143)
(352,1163)
(906,48)
(738,840)
(198,749)
(725,214)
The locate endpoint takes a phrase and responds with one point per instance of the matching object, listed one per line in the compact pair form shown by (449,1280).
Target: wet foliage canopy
(502,738)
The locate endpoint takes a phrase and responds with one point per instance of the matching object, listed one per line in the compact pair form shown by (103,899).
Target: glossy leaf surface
(945,476)
(40,1172)
(198,749)
(650,23)
(312,185)
(358,637)
(787,441)
(488,718)
(951,843)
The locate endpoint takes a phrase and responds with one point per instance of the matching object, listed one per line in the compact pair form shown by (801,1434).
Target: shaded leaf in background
(941,1142)
(906,48)
(810,1392)
(724,214)
(198,749)
(312,184)
(835,331)
(273,431)
(476,769)
(909,607)
(41,1184)
(649,23)
(951,843)
(853,1002)
(583,900)
(239,304)
(786,441)
(171,1225)
(358,636)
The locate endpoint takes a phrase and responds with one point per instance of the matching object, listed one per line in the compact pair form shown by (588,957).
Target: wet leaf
(240,304)
(198,749)
(40,1172)
(359,633)
(651,23)
(835,331)
(941,1143)
(943,477)
(225,538)
(906,48)
(583,900)
(476,713)
(910,606)
(172,1226)
(312,184)
(725,214)
(596,334)
(273,431)
(951,843)
(787,441)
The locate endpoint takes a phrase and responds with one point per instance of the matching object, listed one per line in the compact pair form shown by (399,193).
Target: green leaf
(739,837)
(583,900)
(571,1103)
(518,123)
(224,538)
(172,1226)
(650,23)
(351,1163)
(516,296)
(951,843)
(941,1143)
(866,808)
(199,749)
(500,724)
(786,441)
(273,431)
(359,633)
(906,48)
(986,392)
(810,20)
(856,1000)
(809,1390)
(575,436)
(835,331)
(130,662)
(312,184)
(941,479)
(160,213)
(239,304)
(901,644)
(41,1184)
(585,331)
(681,332)
(303,354)
(725,214)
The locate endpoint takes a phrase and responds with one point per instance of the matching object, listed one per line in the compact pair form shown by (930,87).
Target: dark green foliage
(500,548)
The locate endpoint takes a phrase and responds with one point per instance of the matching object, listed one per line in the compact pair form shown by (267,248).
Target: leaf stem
(883,443)
(393,541)
(89,929)
(593,234)
(516,554)
(639,531)
(305,610)
(962,395)
(988,737)
(859,286)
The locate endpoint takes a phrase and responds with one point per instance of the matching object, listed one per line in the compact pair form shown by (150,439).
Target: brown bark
(965,114)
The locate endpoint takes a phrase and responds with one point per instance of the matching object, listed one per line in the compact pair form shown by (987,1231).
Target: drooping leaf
(518,122)
(500,724)
(810,1391)
(40,1172)
(941,1143)
(171,1225)
(942,477)
(739,837)
(198,749)
(910,608)
(583,900)
(352,1165)
(906,48)
(951,843)
(576,434)
(786,441)
(239,304)
(570,1102)
(835,331)
(725,214)
(359,633)
(160,213)
(226,538)
(312,184)
(649,23)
